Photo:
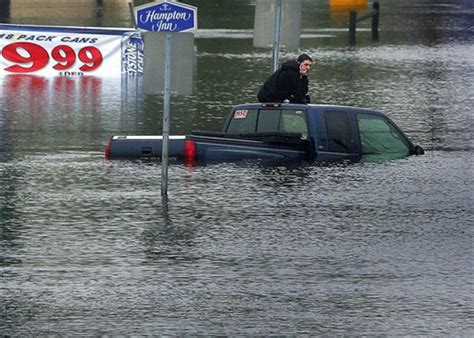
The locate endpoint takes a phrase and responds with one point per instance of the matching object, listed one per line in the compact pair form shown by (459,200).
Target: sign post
(276,36)
(167,17)
(166,116)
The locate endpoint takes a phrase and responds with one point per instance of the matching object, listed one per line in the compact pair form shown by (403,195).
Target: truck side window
(243,121)
(378,136)
(338,126)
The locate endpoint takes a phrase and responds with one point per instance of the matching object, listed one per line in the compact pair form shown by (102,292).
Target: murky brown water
(88,247)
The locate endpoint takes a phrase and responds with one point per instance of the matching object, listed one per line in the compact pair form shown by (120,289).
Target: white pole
(276,35)
(166,116)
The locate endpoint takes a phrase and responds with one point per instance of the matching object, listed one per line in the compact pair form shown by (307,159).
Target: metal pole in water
(352,28)
(276,34)
(166,116)
(375,21)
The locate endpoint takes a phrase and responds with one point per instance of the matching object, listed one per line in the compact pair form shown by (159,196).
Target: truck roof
(311,106)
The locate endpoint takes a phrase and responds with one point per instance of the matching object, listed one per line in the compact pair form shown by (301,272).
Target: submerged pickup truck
(286,131)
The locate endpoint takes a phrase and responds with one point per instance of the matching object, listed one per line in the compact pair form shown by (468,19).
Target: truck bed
(212,146)
(266,137)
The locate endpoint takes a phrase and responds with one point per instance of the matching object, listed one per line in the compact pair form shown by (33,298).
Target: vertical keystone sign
(166,16)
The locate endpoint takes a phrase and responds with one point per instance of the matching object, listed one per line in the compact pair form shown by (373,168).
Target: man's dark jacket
(285,84)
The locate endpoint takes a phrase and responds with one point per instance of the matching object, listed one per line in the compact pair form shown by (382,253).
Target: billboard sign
(69,51)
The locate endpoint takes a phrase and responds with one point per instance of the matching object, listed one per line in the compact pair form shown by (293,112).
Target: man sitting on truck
(288,83)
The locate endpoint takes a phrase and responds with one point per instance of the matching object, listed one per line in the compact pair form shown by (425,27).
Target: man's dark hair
(304,57)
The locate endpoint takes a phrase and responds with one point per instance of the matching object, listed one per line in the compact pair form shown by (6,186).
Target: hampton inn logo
(166,17)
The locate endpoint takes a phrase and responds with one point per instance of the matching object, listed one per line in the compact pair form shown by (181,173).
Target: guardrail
(353,19)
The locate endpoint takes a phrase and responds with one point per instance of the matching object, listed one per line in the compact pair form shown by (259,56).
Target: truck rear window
(268,120)
(243,121)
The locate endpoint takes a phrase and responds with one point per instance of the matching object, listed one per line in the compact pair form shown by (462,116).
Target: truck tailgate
(144,147)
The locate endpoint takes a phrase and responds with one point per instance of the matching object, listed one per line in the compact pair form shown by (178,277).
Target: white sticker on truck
(240,114)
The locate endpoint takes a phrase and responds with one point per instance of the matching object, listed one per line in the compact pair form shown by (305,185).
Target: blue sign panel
(166,16)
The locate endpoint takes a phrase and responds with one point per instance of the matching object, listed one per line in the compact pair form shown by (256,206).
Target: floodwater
(89,246)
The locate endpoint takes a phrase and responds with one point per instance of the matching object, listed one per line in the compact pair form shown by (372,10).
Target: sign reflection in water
(70,108)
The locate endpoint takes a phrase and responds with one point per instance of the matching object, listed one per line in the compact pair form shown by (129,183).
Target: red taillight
(189,152)
(107,149)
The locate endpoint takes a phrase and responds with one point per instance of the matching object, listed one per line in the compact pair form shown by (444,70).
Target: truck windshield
(268,120)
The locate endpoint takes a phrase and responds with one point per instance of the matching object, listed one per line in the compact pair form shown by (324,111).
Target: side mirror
(418,150)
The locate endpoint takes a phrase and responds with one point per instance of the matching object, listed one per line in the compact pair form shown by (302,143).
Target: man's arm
(299,90)
(288,85)
(302,89)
